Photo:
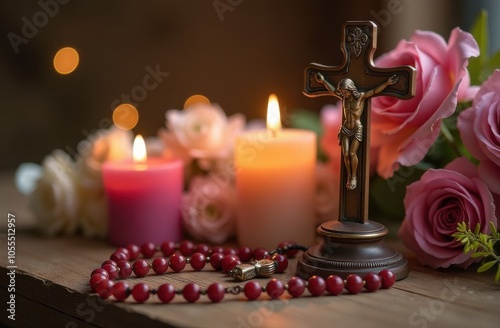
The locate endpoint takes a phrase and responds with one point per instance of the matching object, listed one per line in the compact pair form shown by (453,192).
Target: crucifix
(354,243)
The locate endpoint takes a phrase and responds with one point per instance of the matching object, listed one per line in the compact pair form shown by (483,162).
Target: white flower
(327,192)
(208,209)
(113,144)
(201,131)
(55,198)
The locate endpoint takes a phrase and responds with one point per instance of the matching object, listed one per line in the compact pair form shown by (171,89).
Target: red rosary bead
(94,280)
(296,287)
(215,292)
(120,290)
(125,269)
(134,251)
(168,248)
(112,270)
(100,271)
(372,282)
(260,253)
(334,285)
(217,249)
(177,262)
(252,290)
(118,256)
(140,292)
(245,253)
(216,261)
(198,261)
(354,283)
(148,250)
(388,278)
(275,288)
(229,251)
(316,285)
(229,262)
(186,248)
(103,288)
(282,262)
(140,267)
(160,265)
(203,249)
(108,262)
(191,292)
(166,293)
(125,251)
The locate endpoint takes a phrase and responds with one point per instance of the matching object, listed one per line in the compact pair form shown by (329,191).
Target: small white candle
(275,180)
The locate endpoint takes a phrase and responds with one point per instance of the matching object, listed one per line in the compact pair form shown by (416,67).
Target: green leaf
(493,228)
(479,31)
(308,120)
(477,229)
(494,62)
(497,275)
(304,119)
(479,254)
(486,266)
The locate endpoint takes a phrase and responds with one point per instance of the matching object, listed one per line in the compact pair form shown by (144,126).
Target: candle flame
(273,114)
(139,150)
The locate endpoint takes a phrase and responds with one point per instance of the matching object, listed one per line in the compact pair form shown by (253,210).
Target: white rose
(327,192)
(208,209)
(201,131)
(55,198)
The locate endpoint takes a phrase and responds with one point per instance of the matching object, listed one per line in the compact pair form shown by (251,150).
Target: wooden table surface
(51,290)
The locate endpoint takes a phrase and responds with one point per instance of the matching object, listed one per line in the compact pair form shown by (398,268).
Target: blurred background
(235,52)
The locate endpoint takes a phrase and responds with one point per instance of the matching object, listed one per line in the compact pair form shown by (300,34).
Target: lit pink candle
(143,198)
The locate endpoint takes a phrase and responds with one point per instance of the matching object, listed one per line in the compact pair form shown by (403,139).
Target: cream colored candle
(275,179)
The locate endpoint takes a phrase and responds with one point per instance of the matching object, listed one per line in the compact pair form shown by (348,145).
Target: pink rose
(436,204)
(480,131)
(208,209)
(404,130)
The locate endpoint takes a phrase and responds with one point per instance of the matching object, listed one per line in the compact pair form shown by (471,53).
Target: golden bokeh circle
(66,60)
(125,116)
(196,99)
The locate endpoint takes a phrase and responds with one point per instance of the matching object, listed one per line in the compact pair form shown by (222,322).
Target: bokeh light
(196,99)
(66,60)
(125,116)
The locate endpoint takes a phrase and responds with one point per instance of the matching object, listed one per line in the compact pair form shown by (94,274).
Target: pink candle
(143,199)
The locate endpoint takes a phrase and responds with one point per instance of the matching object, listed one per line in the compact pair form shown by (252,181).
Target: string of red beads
(177,256)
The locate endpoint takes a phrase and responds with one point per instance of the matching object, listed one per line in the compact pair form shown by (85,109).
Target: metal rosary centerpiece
(246,271)
(355,243)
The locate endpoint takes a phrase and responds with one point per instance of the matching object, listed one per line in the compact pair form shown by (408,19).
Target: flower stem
(450,139)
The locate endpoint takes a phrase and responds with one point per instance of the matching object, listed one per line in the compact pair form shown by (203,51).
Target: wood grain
(53,275)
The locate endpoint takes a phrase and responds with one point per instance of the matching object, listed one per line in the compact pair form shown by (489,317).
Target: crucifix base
(351,247)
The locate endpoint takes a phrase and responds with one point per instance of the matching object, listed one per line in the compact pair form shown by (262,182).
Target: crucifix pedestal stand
(354,244)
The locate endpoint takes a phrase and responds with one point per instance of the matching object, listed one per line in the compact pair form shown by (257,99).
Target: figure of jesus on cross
(351,131)
(355,82)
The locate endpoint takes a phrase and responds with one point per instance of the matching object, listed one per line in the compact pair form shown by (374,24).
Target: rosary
(242,264)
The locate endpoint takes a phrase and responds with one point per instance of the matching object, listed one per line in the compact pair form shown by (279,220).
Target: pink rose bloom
(208,209)
(404,130)
(480,131)
(436,204)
